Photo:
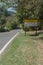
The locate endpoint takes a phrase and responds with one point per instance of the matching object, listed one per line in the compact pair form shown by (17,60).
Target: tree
(2,23)
(28,9)
(2,0)
(41,14)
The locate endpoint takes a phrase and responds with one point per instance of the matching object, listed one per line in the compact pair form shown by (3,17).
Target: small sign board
(30,20)
(30,23)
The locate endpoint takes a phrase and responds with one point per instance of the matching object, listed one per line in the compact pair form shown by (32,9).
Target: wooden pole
(25,33)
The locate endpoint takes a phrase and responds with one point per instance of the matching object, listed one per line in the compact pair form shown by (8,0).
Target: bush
(14,24)
(8,23)
(6,13)
(2,23)
(26,28)
(2,29)
(11,25)
(8,26)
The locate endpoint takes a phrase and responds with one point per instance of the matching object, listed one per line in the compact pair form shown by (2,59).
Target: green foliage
(3,20)
(6,13)
(2,29)
(41,10)
(28,9)
(2,23)
(7,22)
(14,23)
(8,26)
(26,28)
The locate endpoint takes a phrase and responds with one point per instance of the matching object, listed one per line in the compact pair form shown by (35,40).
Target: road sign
(30,22)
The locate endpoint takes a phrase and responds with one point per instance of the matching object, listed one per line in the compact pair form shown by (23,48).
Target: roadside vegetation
(8,20)
(26,10)
(24,50)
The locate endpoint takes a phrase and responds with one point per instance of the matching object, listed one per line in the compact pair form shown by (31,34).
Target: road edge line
(2,50)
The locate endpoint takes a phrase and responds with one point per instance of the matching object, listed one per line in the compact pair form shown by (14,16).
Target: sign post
(31,23)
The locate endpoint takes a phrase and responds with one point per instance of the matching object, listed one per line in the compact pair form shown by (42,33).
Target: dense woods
(8,20)
(26,9)
(31,9)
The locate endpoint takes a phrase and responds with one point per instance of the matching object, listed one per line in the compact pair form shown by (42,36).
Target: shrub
(14,24)
(2,23)
(26,28)
(8,26)
(2,29)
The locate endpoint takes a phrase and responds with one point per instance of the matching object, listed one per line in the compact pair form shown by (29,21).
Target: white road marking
(2,50)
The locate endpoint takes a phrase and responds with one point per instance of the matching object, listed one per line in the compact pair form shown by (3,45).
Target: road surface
(6,36)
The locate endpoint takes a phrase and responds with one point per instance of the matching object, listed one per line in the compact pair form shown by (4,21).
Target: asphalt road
(6,36)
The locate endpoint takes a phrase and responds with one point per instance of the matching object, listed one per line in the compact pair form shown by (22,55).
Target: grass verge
(22,51)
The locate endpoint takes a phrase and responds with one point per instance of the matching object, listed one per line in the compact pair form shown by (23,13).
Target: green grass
(22,51)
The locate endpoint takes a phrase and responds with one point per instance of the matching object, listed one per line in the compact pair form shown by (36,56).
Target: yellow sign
(30,20)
